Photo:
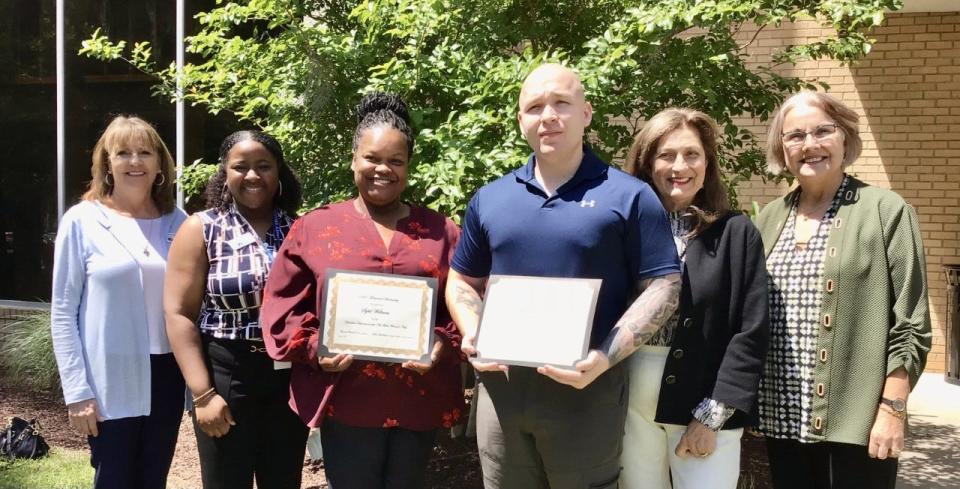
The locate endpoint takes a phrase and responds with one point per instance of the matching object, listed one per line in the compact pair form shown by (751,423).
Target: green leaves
(195,177)
(99,47)
(297,67)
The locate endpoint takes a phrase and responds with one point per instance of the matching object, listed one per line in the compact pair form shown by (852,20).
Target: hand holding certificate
(378,317)
(536,321)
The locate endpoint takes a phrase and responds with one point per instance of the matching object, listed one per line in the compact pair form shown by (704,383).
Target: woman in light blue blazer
(120,381)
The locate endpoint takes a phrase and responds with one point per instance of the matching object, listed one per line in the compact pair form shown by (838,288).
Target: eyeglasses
(820,133)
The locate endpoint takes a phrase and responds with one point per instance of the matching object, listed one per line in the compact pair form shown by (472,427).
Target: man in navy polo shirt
(565,213)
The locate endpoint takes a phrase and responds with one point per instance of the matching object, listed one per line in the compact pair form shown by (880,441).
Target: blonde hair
(122,130)
(845,118)
(711,201)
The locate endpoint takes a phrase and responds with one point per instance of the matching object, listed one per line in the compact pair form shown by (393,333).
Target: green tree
(297,67)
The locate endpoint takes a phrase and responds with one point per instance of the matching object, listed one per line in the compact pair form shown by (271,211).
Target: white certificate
(534,321)
(377,316)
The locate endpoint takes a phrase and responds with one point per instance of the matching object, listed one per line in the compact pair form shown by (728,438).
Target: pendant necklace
(149,235)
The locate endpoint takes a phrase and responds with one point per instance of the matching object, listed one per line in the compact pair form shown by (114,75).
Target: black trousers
(375,458)
(827,465)
(138,451)
(269,439)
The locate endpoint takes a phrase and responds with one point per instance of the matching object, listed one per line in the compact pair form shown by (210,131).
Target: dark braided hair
(383,109)
(289,200)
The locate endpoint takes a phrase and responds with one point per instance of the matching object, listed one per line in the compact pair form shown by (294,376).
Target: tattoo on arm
(469,298)
(658,301)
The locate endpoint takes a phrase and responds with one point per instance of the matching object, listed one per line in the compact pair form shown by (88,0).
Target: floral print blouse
(367,394)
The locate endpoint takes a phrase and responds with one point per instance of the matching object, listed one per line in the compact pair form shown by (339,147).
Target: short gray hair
(844,116)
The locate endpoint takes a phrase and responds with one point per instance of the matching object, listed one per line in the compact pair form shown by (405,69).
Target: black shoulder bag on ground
(21,439)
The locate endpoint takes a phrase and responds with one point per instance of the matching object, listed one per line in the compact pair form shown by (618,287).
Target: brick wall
(907,91)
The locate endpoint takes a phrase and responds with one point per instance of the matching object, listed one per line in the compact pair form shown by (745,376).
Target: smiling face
(818,156)
(679,168)
(553,113)
(134,164)
(252,175)
(380,165)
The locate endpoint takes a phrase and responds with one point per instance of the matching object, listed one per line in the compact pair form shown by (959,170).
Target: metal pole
(61,111)
(179,103)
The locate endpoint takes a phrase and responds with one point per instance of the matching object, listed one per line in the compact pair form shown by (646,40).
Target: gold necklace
(816,210)
(802,232)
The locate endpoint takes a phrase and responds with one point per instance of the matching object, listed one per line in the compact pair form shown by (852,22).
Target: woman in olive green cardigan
(850,328)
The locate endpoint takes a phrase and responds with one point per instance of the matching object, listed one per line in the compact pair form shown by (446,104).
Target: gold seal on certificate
(534,321)
(380,317)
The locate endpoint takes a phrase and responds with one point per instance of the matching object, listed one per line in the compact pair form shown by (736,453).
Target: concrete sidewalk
(931,459)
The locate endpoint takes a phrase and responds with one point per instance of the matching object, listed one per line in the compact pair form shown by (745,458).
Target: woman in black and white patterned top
(850,329)
(693,386)
(237,272)
(219,262)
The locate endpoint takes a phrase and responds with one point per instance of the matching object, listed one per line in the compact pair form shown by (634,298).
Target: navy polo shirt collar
(591,166)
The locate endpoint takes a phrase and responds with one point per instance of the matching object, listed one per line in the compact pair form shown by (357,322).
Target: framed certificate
(534,321)
(380,317)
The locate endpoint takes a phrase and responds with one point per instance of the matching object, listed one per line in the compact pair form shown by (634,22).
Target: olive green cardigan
(874,316)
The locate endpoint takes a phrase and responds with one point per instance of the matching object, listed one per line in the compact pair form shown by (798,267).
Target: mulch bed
(455,462)
(48,409)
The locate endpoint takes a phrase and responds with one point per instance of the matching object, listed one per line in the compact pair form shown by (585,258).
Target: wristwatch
(898,405)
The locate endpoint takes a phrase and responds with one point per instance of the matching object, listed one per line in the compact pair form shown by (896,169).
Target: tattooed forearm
(657,302)
(468,297)
(464,301)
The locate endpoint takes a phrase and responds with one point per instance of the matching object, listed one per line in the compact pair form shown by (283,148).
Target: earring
(280,192)
(163,180)
(224,194)
(108,179)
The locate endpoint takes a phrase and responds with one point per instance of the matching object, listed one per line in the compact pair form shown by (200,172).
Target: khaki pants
(536,433)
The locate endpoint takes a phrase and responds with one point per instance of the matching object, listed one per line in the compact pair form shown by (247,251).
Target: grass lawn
(61,469)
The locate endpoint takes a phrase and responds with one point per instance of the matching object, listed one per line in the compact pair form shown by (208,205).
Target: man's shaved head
(552,72)
(553,112)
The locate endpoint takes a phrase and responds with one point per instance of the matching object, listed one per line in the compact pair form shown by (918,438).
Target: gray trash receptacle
(951,371)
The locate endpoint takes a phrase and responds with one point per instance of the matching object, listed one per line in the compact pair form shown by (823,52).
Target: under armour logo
(588,203)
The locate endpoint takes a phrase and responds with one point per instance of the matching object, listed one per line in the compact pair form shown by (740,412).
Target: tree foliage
(296,68)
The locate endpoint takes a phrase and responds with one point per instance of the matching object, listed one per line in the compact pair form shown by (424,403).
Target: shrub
(26,354)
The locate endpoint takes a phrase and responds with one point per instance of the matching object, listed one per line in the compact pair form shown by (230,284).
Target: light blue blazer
(98,315)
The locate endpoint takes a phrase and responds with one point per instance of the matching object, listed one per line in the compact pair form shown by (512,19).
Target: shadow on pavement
(932,456)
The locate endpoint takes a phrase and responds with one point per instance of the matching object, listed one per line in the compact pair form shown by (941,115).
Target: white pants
(648,458)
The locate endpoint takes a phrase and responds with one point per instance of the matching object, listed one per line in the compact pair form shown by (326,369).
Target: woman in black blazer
(693,386)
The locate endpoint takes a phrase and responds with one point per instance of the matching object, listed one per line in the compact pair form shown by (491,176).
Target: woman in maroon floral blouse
(378,420)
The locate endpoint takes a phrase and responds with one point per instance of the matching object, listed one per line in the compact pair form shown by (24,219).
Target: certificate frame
(573,333)
(332,341)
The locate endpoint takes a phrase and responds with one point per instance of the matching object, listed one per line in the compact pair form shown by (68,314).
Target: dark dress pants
(827,465)
(375,458)
(269,439)
(137,451)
